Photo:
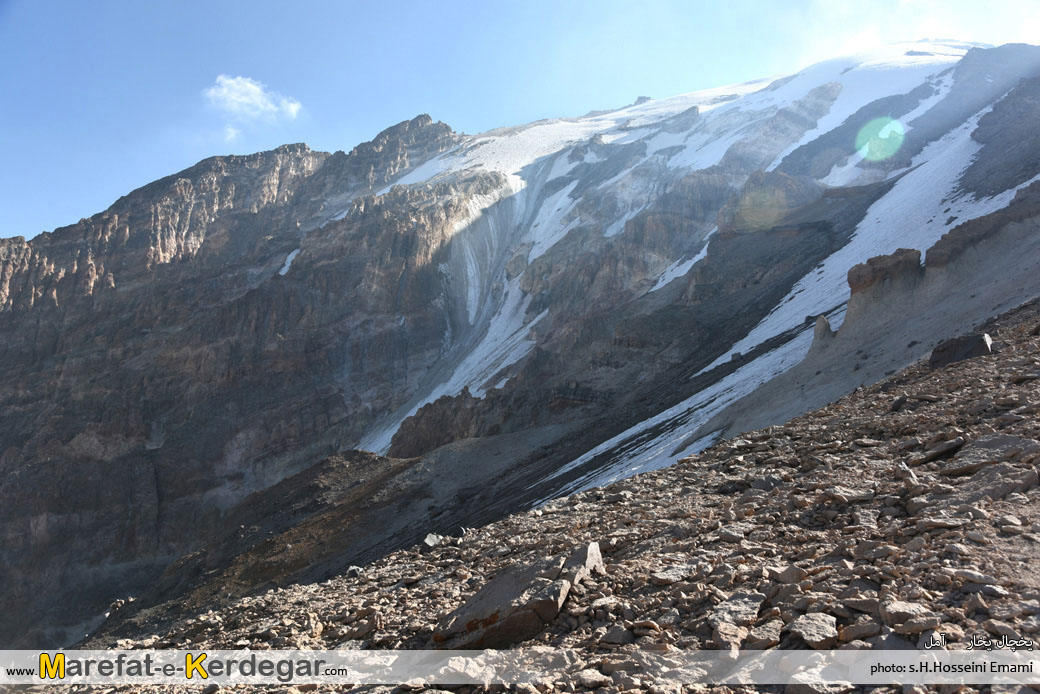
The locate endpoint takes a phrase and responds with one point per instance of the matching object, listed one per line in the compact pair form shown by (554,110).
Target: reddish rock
(903,263)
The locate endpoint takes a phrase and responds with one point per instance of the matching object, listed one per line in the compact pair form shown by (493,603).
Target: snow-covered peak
(573,185)
(690,132)
(511,150)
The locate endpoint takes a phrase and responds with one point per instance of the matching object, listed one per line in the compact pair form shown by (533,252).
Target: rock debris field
(903,509)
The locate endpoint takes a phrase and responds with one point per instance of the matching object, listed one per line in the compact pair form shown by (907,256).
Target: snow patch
(548,226)
(864,78)
(618,225)
(650,445)
(505,342)
(425,171)
(677,269)
(288,262)
(339,215)
(704,149)
(680,267)
(911,215)
(562,166)
(849,173)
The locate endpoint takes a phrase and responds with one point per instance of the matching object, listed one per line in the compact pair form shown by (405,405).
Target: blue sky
(101,97)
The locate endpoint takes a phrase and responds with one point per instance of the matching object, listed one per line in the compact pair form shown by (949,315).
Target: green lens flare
(880,138)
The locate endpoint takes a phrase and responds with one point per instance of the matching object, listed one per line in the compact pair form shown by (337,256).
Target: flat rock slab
(764,635)
(729,637)
(918,625)
(995,481)
(740,609)
(847,495)
(734,532)
(592,679)
(583,562)
(943,449)
(863,629)
(818,630)
(790,574)
(867,604)
(673,574)
(897,612)
(989,450)
(972,576)
(618,635)
(517,603)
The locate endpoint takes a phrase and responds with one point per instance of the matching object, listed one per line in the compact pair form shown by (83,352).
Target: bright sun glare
(880,138)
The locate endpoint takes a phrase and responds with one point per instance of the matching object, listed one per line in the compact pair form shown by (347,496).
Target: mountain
(506,317)
(901,511)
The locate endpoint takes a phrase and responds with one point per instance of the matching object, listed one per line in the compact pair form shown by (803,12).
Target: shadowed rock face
(1009,146)
(615,358)
(766,199)
(960,348)
(1025,205)
(156,368)
(817,158)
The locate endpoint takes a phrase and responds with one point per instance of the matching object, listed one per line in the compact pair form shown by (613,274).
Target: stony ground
(904,508)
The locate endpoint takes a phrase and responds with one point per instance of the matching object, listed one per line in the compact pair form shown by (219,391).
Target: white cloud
(231,133)
(245,99)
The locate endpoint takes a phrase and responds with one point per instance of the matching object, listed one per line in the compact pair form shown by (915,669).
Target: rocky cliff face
(162,223)
(370,166)
(157,367)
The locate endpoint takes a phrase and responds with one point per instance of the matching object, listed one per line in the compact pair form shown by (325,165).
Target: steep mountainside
(901,511)
(510,315)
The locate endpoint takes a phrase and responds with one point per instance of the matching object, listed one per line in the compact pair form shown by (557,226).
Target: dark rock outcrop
(518,603)
(999,251)
(956,242)
(960,348)
(440,422)
(1009,145)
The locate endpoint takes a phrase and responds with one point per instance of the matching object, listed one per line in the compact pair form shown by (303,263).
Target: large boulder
(817,630)
(960,348)
(740,609)
(518,603)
